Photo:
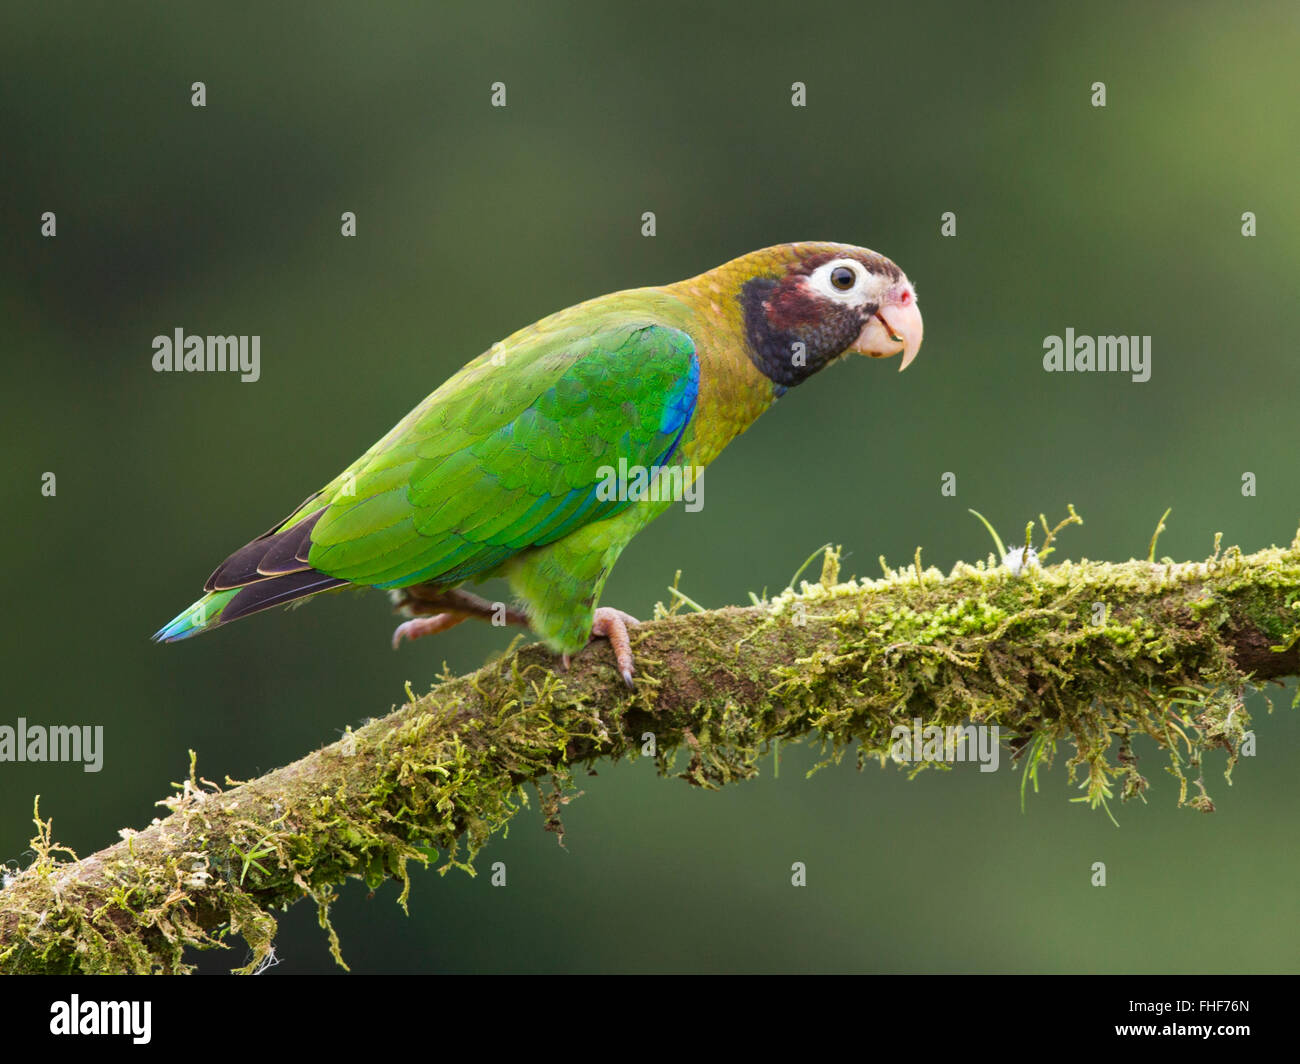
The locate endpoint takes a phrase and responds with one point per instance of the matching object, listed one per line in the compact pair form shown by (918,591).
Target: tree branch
(1085,652)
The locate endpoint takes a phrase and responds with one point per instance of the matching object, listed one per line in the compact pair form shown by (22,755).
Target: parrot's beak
(895,327)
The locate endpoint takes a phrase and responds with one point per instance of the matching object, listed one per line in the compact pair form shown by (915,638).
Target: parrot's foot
(612,624)
(437,610)
(421,626)
(422,600)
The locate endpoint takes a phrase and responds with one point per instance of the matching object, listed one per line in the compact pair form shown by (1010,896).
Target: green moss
(843,660)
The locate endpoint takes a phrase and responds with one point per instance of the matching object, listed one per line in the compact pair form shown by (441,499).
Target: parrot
(499,472)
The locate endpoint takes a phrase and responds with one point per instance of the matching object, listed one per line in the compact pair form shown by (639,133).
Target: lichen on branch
(1089,654)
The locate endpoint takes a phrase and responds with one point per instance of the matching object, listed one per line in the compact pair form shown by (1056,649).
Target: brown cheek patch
(792,305)
(777,318)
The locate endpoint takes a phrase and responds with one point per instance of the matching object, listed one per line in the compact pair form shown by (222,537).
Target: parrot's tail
(202,615)
(229,604)
(271,571)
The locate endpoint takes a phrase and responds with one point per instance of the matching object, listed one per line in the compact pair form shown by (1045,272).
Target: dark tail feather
(271,554)
(275,591)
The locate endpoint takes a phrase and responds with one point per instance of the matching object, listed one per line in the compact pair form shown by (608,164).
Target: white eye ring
(822,281)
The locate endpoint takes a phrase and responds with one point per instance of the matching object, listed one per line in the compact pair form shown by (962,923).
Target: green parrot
(518,466)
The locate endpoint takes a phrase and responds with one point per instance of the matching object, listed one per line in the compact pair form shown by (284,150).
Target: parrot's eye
(843,278)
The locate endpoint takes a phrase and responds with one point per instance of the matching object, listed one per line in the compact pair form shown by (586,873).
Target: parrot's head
(805,305)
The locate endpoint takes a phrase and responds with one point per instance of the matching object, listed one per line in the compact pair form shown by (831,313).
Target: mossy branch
(1093,654)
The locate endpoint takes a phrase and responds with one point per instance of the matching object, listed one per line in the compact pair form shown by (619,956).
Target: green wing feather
(507,455)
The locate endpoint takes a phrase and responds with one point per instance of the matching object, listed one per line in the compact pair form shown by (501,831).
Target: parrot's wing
(508,454)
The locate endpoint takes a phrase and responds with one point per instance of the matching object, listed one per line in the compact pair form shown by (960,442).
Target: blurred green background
(474,221)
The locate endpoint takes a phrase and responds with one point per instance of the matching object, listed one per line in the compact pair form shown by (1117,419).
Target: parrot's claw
(613,624)
(439,622)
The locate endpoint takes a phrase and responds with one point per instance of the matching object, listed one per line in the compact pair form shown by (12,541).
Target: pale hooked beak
(895,327)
